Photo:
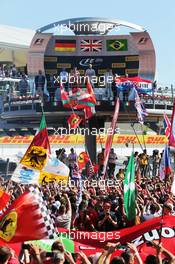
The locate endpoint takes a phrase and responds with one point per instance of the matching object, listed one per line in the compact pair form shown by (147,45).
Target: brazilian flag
(117,44)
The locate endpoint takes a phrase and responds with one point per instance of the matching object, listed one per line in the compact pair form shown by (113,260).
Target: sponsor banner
(51,71)
(131,71)
(79,139)
(63,65)
(132,58)
(53,59)
(118,64)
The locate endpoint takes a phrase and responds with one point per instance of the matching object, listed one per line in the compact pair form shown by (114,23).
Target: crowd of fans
(101,208)
(10,71)
(32,254)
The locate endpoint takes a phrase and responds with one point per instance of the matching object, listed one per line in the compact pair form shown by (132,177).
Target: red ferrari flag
(83,158)
(74,121)
(4,199)
(25,220)
(88,112)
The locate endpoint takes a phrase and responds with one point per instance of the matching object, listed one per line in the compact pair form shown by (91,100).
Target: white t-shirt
(64,220)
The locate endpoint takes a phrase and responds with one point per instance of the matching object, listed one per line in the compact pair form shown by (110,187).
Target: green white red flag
(129,190)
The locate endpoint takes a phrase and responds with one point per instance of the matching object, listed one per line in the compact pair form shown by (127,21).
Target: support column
(90,142)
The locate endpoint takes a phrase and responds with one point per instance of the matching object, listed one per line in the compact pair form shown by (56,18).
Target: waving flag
(54,171)
(37,166)
(4,198)
(167,125)
(172,130)
(165,166)
(141,111)
(26,219)
(74,121)
(36,155)
(129,190)
(139,234)
(83,158)
(127,83)
(79,100)
(88,112)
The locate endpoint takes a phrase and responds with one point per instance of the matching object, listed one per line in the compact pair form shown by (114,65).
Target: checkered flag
(48,223)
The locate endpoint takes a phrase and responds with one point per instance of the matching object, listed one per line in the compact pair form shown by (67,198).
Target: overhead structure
(14,44)
(77,42)
(89,25)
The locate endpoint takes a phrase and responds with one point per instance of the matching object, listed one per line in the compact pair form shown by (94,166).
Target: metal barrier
(161,97)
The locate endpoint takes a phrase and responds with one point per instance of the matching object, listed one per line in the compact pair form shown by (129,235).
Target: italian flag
(36,154)
(129,190)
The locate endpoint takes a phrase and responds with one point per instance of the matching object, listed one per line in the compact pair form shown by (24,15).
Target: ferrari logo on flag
(47,177)
(83,158)
(8,226)
(74,120)
(35,157)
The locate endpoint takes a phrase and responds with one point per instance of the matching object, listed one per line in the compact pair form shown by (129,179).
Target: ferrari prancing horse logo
(8,226)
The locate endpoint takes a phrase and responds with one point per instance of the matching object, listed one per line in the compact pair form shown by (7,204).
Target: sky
(156,16)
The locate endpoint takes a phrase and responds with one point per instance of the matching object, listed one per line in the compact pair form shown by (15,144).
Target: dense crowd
(10,71)
(58,255)
(100,208)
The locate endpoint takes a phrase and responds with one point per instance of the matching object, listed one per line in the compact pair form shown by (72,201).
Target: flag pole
(161,222)
(143,135)
(132,125)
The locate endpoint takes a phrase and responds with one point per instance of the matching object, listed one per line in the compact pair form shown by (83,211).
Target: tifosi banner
(150,230)
(140,234)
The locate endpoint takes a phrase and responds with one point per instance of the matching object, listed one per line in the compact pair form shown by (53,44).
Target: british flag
(90,45)
(167,125)
(141,110)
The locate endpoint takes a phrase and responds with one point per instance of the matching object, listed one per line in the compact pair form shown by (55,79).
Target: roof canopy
(14,44)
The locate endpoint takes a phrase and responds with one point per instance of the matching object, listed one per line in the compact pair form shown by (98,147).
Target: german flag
(66,45)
